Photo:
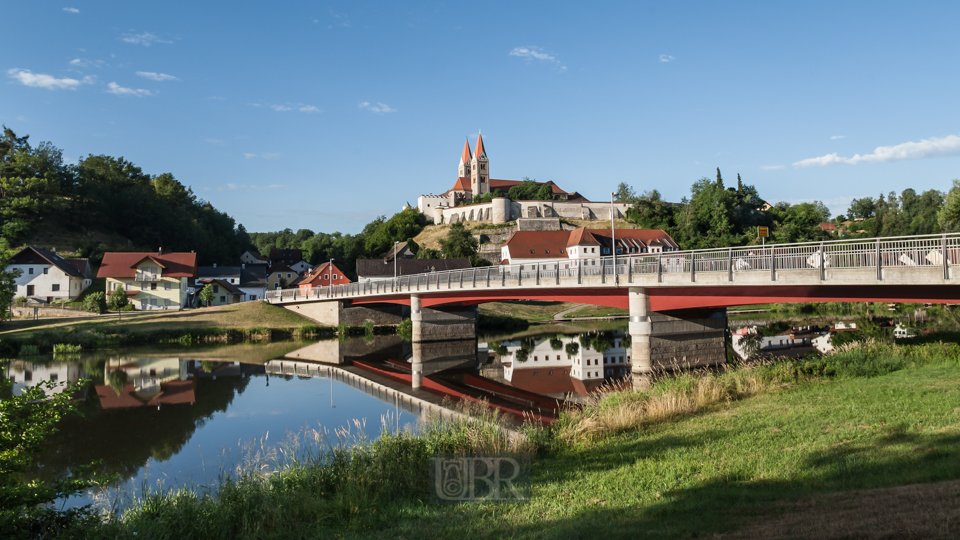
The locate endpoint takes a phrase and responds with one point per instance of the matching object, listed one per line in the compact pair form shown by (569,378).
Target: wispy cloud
(116,89)
(772,167)
(835,137)
(41,80)
(379,108)
(925,148)
(309,109)
(71,10)
(537,53)
(157,76)
(285,107)
(216,142)
(280,108)
(666,57)
(146,39)
(83,62)
(218,98)
(266,155)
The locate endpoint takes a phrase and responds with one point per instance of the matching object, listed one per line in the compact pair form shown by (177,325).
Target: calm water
(182,417)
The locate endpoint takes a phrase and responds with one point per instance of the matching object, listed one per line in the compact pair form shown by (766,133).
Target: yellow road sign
(763,232)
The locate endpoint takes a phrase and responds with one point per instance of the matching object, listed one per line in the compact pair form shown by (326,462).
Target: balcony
(147,276)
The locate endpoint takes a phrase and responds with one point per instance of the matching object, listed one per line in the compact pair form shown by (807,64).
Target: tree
(459,243)
(206,294)
(8,283)
(118,298)
(625,193)
(95,303)
(861,208)
(949,216)
(544,193)
(527,190)
(650,211)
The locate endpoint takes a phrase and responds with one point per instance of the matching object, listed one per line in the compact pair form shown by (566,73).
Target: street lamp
(395,242)
(330,272)
(613,230)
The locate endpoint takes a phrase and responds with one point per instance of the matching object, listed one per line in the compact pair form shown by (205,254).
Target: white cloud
(116,89)
(536,53)
(280,108)
(771,167)
(217,142)
(379,108)
(266,155)
(218,98)
(835,137)
(146,39)
(666,57)
(40,80)
(925,148)
(309,108)
(157,76)
(71,10)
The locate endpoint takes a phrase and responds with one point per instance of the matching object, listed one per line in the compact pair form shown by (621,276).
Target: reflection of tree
(117,379)
(573,348)
(124,439)
(600,341)
(556,344)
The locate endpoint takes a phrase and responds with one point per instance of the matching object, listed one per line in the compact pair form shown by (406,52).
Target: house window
(166,285)
(223,298)
(253,297)
(288,276)
(30,270)
(56,286)
(216,289)
(167,302)
(143,286)
(54,376)
(46,270)
(153,286)
(534,358)
(326,276)
(153,301)
(334,276)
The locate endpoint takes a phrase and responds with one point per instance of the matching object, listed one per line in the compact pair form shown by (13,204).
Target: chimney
(53,249)
(160,251)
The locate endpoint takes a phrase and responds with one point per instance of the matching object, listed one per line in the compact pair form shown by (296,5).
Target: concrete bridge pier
(437,330)
(641,329)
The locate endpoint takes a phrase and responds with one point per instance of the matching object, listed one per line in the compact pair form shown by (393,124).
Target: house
(288,257)
(151,280)
(46,276)
(224,292)
(380,269)
(250,279)
(399,249)
(301,266)
(280,276)
(582,246)
(253,256)
(322,276)
(829,227)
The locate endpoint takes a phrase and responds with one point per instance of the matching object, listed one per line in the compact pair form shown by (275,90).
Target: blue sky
(325,115)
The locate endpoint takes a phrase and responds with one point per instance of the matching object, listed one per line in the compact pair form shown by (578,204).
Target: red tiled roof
(538,244)
(828,226)
(466,157)
(171,393)
(119,265)
(636,238)
(582,237)
(548,380)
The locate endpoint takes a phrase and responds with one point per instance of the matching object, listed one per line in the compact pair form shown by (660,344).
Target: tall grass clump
(67,348)
(341,480)
(29,350)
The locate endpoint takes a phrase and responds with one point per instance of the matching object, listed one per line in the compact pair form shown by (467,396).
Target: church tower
(480,169)
(465,158)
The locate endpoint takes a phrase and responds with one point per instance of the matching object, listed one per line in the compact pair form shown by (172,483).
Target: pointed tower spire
(480,152)
(466,156)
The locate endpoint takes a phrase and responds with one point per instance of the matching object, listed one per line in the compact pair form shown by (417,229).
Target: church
(473,179)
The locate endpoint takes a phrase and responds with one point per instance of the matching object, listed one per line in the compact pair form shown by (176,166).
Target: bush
(118,299)
(95,303)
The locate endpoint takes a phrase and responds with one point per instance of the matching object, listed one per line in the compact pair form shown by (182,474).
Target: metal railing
(876,253)
(147,276)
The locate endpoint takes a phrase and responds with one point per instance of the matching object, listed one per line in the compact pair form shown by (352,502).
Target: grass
(864,443)
(531,310)
(596,311)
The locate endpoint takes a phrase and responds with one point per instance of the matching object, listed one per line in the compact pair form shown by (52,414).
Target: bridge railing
(875,253)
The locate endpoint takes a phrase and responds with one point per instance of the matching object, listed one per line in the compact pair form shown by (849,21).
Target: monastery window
(534,358)
(558,357)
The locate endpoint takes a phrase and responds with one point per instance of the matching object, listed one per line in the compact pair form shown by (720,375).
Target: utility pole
(613,230)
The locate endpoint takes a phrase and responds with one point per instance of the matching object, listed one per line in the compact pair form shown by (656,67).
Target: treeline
(718,216)
(108,195)
(375,240)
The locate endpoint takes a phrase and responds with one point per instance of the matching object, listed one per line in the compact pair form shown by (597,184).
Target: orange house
(323,275)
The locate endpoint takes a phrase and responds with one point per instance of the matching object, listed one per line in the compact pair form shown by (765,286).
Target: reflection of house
(45,275)
(25,375)
(582,244)
(548,368)
(381,269)
(151,280)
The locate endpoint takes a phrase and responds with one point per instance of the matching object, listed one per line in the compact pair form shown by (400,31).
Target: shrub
(118,298)
(95,303)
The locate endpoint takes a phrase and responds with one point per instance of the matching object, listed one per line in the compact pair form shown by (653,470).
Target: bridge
(662,289)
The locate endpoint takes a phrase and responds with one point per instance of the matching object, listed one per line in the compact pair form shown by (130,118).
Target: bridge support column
(416,317)
(641,329)
(416,365)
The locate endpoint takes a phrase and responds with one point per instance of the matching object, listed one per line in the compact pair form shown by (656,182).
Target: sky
(324,115)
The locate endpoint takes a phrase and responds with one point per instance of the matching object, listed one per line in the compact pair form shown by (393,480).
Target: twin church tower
(476,167)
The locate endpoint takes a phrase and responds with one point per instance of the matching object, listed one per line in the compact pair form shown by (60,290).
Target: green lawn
(531,310)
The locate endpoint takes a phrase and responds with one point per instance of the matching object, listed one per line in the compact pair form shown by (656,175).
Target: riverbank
(778,450)
(248,321)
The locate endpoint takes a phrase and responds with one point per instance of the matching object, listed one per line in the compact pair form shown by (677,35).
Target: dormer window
(548,252)
(531,252)
(561,251)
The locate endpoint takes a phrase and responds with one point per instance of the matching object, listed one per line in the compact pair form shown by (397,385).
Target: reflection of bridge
(903,269)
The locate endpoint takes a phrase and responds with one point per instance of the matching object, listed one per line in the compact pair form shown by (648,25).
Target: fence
(877,253)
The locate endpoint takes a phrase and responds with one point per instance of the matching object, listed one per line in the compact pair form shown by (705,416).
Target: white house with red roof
(150,280)
(581,246)
(46,276)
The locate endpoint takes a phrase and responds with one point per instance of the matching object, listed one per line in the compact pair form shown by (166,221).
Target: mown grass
(702,454)
(596,311)
(531,310)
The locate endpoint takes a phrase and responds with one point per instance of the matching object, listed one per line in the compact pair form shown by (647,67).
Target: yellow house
(151,280)
(279,272)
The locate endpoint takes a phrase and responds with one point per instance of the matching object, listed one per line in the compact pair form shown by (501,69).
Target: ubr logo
(480,477)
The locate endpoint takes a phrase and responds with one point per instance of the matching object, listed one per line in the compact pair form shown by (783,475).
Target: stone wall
(337,312)
(445,323)
(538,224)
(54,312)
(685,339)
